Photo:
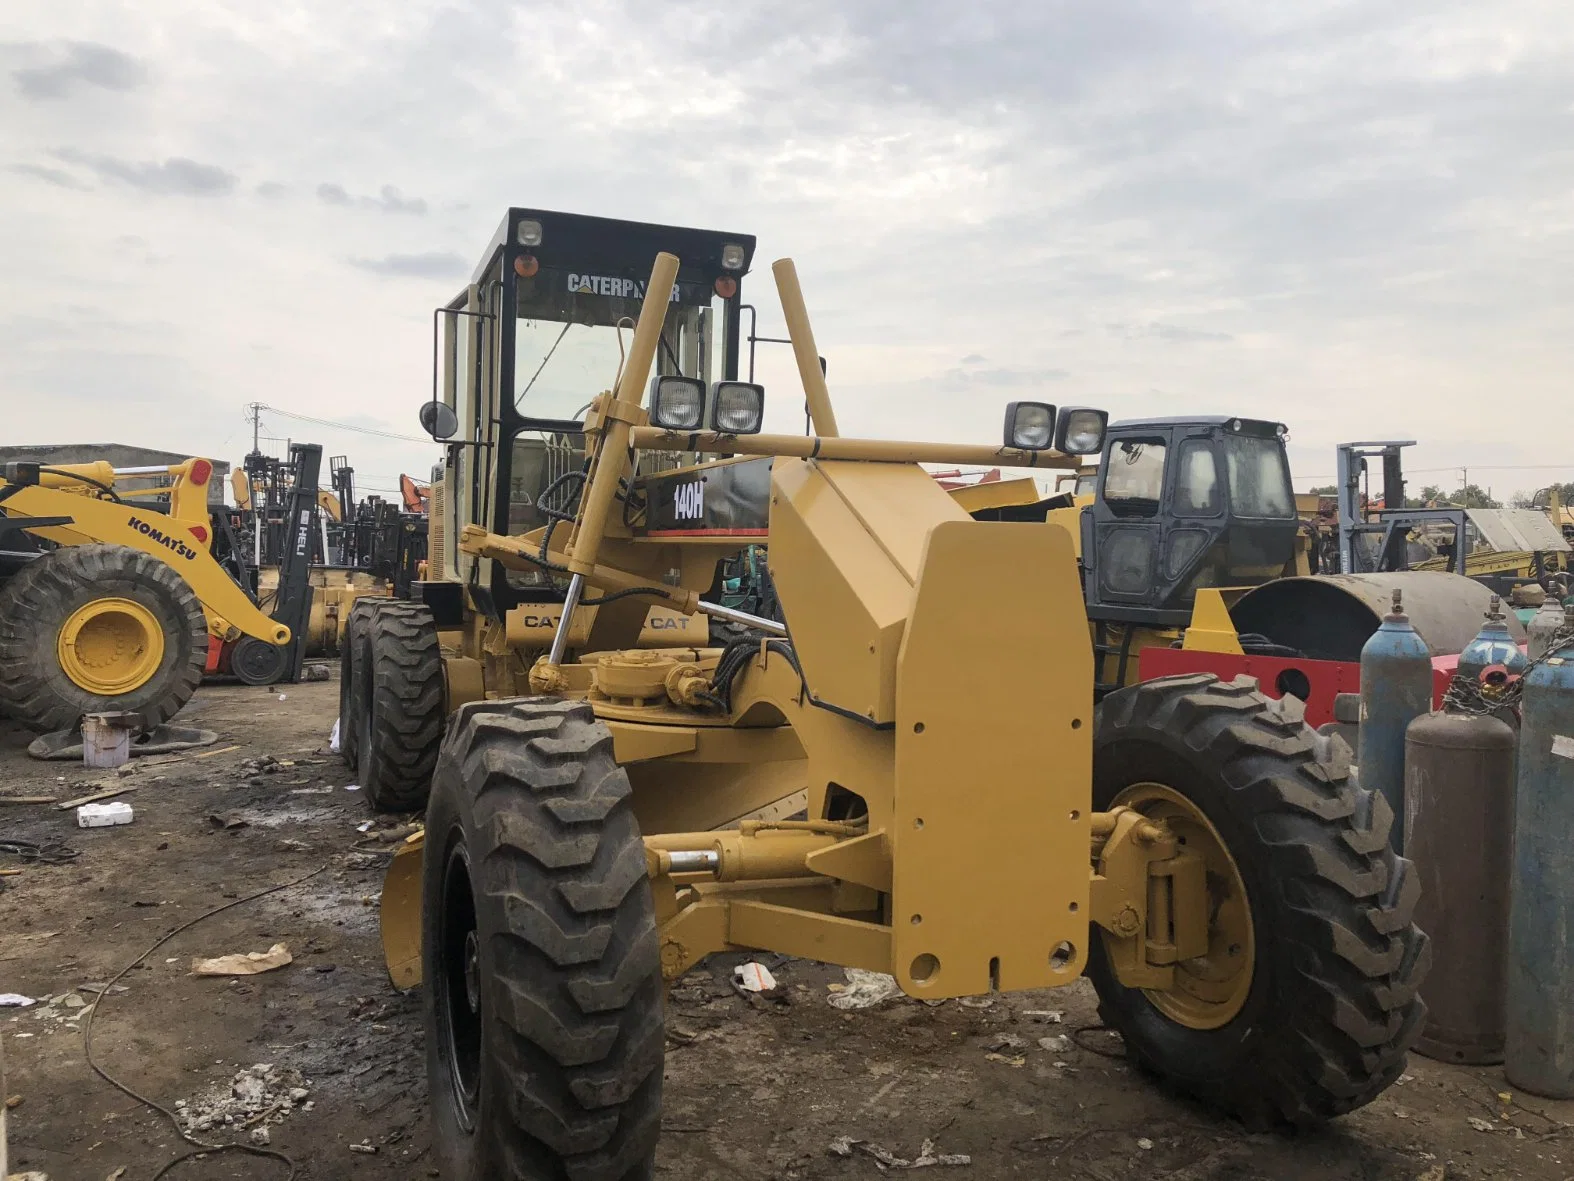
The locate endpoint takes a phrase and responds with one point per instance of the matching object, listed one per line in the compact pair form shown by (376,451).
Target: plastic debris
(103,815)
(1144,1144)
(352,787)
(333,739)
(927,1156)
(250,963)
(865,989)
(364,1147)
(753,977)
(1058,1044)
(1007,1041)
(1015,1060)
(15,1000)
(1481,1125)
(1053,1016)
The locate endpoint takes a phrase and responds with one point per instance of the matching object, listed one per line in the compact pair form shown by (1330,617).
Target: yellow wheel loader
(107,603)
(598,818)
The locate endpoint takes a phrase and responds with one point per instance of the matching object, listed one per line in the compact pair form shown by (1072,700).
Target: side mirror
(823,371)
(439,420)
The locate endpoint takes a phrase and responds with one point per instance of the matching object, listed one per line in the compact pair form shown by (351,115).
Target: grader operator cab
(972,824)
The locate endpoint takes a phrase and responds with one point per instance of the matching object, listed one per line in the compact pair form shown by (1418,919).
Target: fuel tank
(1331,616)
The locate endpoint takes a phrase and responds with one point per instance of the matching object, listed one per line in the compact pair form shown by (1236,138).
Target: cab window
(1197,492)
(1134,477)
(1259,477)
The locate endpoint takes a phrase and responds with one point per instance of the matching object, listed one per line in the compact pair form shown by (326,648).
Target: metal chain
(1473,697)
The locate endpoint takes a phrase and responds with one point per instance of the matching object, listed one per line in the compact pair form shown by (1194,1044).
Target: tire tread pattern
(1345,959)
(557,860)
(408,701)
(36,602)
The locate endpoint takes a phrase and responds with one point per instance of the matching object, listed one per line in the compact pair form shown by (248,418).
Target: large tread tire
(352,686)
(401,720)
(38,601)
(531,812)
(1333,1004)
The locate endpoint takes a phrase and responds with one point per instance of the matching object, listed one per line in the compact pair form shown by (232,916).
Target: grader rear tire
(94,628)
(401,721)
(352,695)
(1312,1016)
(543,999)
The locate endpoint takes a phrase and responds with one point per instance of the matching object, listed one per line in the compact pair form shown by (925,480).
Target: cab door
(1124,529)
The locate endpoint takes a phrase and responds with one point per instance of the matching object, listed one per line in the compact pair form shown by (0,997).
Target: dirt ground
(755,1089)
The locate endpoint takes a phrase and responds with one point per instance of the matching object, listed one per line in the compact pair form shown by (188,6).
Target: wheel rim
(459,986)
(1210,989)
(110,646)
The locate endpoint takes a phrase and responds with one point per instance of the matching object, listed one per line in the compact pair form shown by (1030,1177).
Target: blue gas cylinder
(1396,688)
(1493,645)
(1539,1054)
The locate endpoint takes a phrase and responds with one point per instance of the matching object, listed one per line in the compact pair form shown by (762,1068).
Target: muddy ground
(756,1090)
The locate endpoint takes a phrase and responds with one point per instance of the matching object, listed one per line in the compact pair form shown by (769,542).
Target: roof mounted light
(737,408)
(732,256)
(1080,430)
(677,403)
(528,233)
(1030,426)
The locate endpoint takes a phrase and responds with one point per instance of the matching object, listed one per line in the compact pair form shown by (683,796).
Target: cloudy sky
(1357,218)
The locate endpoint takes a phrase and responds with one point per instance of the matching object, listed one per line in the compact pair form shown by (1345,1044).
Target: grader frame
(860,524)
(1230,892)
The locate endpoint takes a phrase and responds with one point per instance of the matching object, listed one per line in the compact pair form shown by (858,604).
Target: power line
(343,426)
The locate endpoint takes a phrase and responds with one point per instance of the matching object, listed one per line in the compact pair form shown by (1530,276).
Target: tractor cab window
(1197,492)
(1134,477)
(1259,477)
(567,346)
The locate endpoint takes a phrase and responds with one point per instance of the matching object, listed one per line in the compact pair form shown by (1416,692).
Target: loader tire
(352,695)
(404,702)
(1321,1023)
(96,628)
(544,1000)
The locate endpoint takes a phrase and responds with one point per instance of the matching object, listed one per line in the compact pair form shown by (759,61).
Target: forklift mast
(293,604)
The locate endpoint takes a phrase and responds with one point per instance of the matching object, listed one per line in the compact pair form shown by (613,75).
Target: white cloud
(1355,218)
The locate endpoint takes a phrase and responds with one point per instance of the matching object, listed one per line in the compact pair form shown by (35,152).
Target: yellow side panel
(1069,519)
(665,628)
(993,765)
(997,494)
(845,546)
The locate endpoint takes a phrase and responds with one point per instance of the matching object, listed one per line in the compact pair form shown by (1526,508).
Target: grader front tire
(404,705)
(1331,1006)
(543,999)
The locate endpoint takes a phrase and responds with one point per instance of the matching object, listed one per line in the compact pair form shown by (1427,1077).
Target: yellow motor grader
(593,827)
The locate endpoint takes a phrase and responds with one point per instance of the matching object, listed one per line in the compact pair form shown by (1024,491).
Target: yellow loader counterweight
(965,820)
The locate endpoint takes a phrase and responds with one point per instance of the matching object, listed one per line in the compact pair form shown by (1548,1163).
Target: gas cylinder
(1492,645)
(1543,625)
(1396,688)
(1539,1055)
(1459,830)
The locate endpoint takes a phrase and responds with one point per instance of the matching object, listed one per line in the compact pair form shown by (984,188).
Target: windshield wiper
(566,326)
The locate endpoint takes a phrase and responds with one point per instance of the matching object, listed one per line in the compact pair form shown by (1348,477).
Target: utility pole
(256,425)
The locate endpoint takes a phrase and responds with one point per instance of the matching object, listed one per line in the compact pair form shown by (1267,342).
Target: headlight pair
(733,407)
(1037,426)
